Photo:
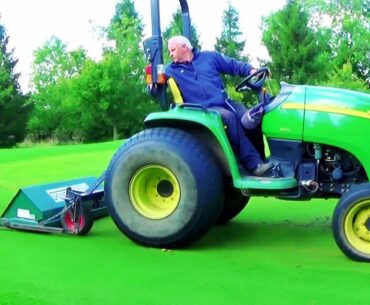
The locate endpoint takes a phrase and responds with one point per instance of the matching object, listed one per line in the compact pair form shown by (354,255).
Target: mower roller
(169,184)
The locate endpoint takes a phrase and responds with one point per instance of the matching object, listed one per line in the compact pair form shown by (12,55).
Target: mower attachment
(62,207)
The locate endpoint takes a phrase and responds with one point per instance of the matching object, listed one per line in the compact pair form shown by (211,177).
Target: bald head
(180,49)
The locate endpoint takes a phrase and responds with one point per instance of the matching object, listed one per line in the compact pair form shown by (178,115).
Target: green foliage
(298,54)
(55,113)
(13,108)
(320,42)
(232,44)
(345,78)
(52,62)
(174,29)
(350,37)
(79,99)
(233,94)
(125,103)
(125,28)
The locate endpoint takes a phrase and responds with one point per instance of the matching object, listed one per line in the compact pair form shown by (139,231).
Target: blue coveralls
(200,83)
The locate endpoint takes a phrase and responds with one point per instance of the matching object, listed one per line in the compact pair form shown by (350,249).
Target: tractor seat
(177,97)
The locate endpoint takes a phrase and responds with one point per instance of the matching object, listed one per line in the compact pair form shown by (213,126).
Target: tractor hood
(298,111)
(336,117)
(338,101)
(339,118)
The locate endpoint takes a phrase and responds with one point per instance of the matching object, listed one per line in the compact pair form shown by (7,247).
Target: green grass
(274,252)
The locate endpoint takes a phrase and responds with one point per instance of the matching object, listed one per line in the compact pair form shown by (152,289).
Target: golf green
(274,252)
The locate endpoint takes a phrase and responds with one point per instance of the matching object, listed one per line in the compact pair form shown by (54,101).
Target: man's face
(177,51)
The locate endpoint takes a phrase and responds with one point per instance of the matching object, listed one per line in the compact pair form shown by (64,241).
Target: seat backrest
(177,97)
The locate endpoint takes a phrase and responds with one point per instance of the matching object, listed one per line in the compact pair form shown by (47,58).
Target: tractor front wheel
(163,188)
(351,223)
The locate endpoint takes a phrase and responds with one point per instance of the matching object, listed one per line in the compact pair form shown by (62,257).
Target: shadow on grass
(259,233)
(237,234)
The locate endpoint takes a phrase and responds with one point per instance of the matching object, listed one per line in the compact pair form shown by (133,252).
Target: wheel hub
(165,188)
(154,191)
(367,224)
(361,224)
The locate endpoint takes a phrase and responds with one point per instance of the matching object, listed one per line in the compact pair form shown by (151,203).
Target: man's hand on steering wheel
(253,70)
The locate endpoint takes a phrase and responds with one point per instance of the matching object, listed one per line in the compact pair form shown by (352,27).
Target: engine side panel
(340,118)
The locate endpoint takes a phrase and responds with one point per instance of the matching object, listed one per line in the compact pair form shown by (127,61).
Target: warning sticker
(22,213)
(59,194)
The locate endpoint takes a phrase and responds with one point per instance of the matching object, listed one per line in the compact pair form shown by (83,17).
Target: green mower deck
(38,208)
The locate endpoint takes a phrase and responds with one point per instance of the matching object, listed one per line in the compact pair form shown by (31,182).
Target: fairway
(274,252)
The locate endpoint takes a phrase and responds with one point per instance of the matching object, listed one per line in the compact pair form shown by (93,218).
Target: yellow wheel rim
(357,226)
(154,192)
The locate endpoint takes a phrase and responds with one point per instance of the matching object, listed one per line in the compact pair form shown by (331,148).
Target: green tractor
(169,184)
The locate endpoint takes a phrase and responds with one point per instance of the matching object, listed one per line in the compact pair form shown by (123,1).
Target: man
(198,75)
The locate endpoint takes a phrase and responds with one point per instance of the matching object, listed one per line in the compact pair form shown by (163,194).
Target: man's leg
(254,135)
(238,108)
(248,155)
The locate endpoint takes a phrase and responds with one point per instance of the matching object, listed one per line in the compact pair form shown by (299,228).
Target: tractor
(167,185)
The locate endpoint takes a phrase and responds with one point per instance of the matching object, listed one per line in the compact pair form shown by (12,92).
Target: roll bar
(186,24)
(153,47)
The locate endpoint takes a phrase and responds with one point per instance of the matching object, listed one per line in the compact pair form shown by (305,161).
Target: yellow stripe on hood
(328,108)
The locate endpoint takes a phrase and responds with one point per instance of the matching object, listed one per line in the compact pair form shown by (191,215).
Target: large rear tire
(163,188)
(234,203)
(351,223)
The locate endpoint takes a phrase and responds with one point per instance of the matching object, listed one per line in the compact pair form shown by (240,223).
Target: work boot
(262,168)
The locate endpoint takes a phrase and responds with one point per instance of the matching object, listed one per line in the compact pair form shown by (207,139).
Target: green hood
(336,117)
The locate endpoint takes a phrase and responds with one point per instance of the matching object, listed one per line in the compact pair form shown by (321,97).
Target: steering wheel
(254,81)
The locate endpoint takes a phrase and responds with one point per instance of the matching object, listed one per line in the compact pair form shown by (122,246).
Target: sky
(30,23)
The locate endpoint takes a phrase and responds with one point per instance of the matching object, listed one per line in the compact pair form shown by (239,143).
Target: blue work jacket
(200,80)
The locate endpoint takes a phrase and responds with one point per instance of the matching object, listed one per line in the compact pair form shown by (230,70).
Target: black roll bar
(153,46)
(186,23)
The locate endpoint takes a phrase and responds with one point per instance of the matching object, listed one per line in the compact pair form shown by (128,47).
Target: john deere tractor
(169,184)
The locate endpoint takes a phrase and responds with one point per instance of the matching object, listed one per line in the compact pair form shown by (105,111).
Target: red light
(148,73)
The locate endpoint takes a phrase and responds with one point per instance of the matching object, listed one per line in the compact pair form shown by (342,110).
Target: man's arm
(231,66)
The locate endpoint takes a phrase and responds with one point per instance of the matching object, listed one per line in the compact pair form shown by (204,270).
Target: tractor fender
(206,125)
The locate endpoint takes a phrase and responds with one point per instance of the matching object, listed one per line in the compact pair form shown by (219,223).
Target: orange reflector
(148,74)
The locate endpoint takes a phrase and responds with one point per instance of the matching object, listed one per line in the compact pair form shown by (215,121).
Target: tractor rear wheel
(351,223)
(163,188)
(234,203)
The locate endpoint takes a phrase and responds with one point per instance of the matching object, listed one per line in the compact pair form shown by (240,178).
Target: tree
(175,28)
(53,67)
(350,39)
(13,108)
(231,44)
(345,78)
(87,94)
(111,92)
(79,99)
(298,53)
(122,85)
(53,62)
